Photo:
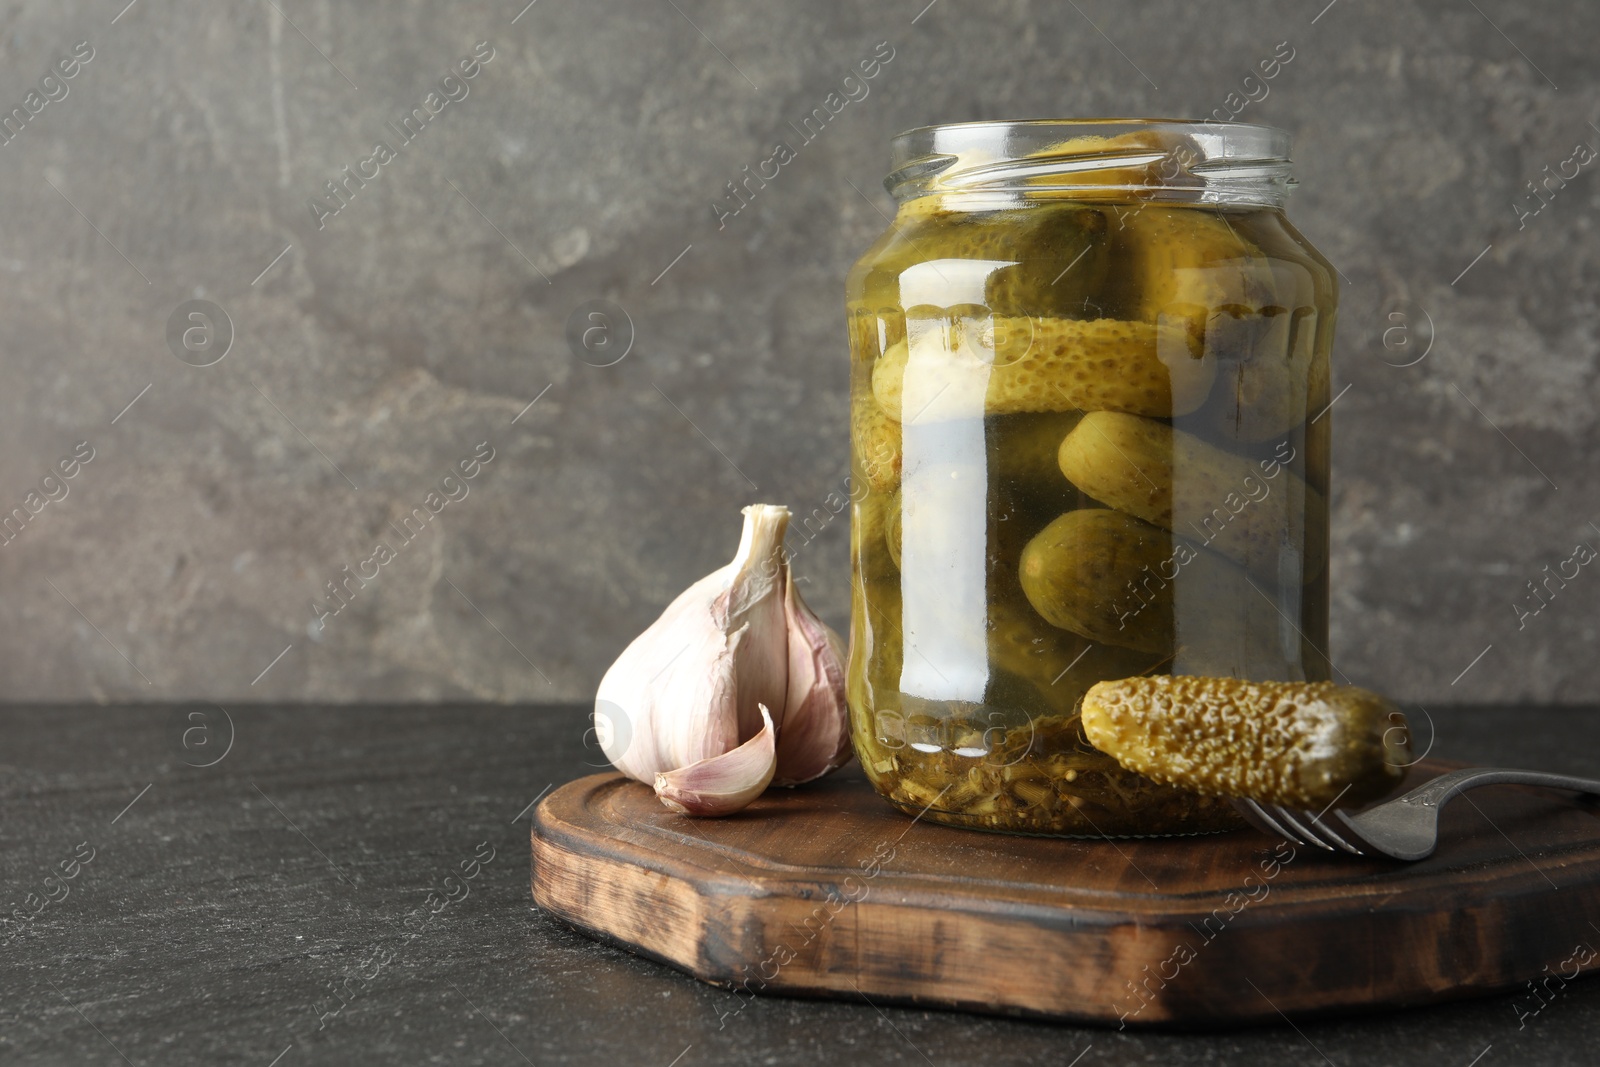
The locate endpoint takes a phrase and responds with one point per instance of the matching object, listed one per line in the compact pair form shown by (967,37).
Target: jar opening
(1141,160)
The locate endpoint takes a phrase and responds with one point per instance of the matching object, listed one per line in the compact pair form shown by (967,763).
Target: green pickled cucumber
(1268,372)
(1083,573)
(891,528)
(1045,364)
(1186,265)
(1043,258)
(1301,745)
(1058,664)
(1121,581)
(870,519)
(875,441)
(1256,512)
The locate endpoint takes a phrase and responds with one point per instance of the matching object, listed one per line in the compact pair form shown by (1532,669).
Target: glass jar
(1089,380)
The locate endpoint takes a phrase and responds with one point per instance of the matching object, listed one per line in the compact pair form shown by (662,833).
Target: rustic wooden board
(827,891)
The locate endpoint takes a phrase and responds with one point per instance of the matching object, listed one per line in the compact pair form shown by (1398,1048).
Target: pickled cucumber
(1262,388)
(1179,264)
(891,528)
(1142,154)
(1096,572)
(869,527)
(876,440)
(1303,745)
(1010,262)
(1252,511)
(1118,580)
(1058,664)
(1045,364)
(1279,378)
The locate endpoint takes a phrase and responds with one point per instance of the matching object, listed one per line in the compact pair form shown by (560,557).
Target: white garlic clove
(687,688)
(722,784)
(815,735)
(755,599)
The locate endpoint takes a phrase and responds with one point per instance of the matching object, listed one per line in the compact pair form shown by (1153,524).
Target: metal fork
(1406,828)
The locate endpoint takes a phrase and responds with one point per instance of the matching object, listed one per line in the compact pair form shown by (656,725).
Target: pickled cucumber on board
(1304,745)
(1252,511)
(1044,364)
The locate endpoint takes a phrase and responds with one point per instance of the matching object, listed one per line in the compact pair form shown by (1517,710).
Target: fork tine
(1350,828)
(1325,828)
(1299,820)
(1259,817)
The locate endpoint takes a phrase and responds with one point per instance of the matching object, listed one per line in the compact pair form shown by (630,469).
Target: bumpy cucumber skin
(1300,744)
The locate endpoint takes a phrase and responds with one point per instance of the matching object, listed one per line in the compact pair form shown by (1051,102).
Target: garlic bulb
(736,685)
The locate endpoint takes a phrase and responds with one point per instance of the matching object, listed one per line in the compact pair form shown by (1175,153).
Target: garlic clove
(815,735)
(722,784)
(688,687)
(755,599)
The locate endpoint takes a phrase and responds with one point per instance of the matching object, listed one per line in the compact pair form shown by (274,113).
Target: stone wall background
(426,315)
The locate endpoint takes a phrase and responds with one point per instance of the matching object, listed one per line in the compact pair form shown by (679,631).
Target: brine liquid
(979,341)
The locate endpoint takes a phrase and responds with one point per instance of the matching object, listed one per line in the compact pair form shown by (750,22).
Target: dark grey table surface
(350,886)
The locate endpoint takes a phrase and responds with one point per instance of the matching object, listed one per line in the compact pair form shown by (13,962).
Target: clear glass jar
(1089,373)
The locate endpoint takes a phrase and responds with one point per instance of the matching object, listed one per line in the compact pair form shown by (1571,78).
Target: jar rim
(1094,122)
(1203,161)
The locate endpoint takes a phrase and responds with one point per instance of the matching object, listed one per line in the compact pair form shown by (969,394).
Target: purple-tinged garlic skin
(722,784)
(815,736)
(736,667)
(689,685)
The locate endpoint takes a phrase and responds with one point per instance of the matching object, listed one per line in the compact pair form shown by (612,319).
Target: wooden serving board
(827,891)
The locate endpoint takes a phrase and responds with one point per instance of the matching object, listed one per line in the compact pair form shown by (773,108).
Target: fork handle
(1436,793)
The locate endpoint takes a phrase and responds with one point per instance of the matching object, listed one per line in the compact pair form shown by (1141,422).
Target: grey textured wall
(374,352)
